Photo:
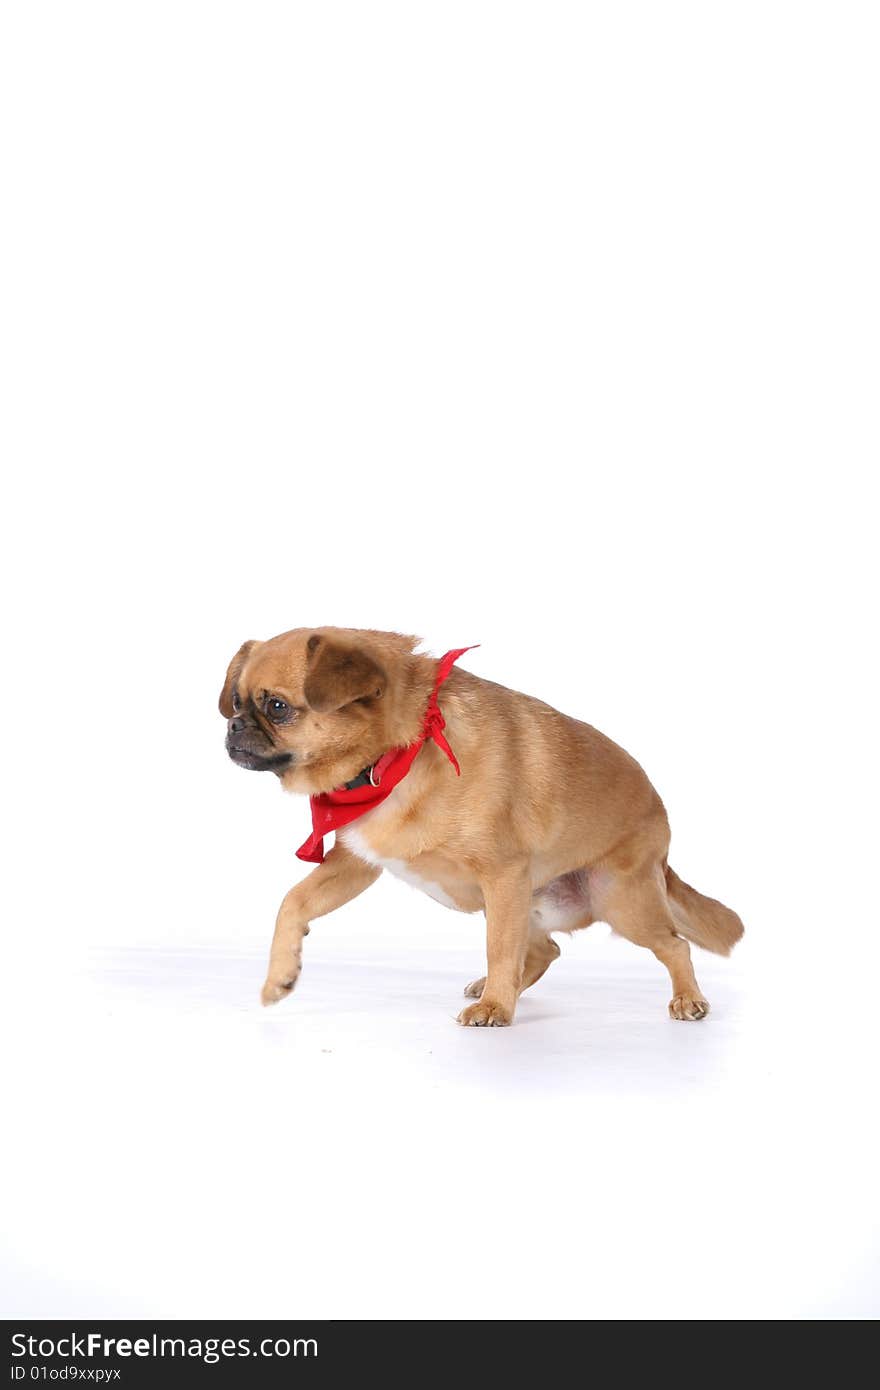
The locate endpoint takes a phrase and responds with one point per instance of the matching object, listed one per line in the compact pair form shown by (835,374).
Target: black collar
(363,779)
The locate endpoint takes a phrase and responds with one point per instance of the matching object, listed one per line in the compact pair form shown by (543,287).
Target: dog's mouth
(258,762)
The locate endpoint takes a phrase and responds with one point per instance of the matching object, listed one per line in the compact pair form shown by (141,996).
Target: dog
(484,798)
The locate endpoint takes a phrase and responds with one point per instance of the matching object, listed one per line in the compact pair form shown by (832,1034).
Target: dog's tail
(704,921)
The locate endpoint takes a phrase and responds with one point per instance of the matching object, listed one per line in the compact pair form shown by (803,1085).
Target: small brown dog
(549,827)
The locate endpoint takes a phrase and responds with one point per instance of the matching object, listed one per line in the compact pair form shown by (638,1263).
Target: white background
(550,327)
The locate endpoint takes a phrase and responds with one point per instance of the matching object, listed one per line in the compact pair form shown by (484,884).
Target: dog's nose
(236,726)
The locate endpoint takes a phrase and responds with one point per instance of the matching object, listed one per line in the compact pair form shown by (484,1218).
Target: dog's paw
(688,1008)
(486,1014)
(278,986)
(475,988)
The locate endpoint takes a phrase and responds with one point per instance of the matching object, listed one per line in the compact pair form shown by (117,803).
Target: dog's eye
(277,709)
(236,702)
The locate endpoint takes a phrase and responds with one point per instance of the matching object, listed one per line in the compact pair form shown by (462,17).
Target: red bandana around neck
(331,810)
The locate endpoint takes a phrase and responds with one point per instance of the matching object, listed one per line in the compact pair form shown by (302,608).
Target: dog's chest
(354,839)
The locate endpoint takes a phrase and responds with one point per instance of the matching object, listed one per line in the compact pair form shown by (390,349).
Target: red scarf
(333,809)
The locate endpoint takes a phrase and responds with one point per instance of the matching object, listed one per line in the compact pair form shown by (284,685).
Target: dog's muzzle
(248,747)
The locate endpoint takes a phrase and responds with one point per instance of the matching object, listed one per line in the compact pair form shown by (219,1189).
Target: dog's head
(314,706)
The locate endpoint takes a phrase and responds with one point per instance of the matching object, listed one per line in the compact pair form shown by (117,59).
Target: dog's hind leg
(634,903)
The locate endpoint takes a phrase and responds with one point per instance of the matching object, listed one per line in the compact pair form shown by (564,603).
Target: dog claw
(485,1015)
(687,1009)
(276,990)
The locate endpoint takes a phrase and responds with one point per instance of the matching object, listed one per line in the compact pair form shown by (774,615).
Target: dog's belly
(565,903)
(562,904)
(428,877)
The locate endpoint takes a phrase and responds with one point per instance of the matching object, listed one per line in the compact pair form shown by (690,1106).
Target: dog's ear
(232,675)
(337,676)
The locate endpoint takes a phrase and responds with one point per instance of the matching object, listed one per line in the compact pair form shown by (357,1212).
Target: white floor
(175,1150)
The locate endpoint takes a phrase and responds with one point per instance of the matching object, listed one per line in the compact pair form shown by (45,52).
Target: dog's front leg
(339,879)
(507,896)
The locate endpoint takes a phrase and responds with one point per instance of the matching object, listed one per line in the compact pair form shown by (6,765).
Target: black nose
(236,726)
